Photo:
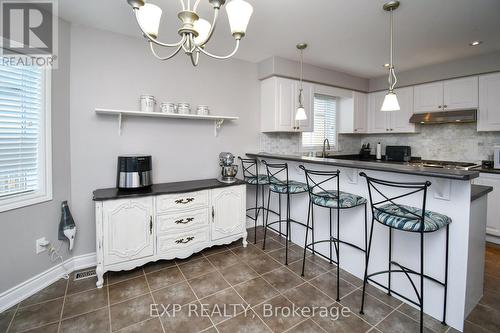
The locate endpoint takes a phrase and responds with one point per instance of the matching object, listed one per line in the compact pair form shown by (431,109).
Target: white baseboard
(30,287)
(493,239)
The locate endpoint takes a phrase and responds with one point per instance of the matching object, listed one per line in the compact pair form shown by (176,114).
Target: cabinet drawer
(183,201)
(184,240)
(182,220)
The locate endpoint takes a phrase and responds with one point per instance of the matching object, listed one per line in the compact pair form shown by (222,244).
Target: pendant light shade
(301,111)
(149,17)
(239,13)
(390,102)
(300,114)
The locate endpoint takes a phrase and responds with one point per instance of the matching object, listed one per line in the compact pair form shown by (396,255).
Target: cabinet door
(360,107)
(308,103)
(461,93)
(493,216)
(400,120)
(377,119)
(285,104)
(227,211)
(428,97)
(489,103)
(128,229)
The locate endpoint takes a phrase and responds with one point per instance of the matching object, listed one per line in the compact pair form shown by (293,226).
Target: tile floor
(230,275)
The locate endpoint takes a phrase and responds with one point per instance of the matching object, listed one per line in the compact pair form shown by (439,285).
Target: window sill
(24,200)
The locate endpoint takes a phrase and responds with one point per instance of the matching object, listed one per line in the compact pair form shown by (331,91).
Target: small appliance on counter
(398,153)
(228,168)
(134,172)
(487,164)
(365,152)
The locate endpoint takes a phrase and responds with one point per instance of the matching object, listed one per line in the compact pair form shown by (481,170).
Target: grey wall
(458,68)
(291,69)
(21,227)
(111,71)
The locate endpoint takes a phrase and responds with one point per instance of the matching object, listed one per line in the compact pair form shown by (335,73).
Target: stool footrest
(291,220)
(411,271)
(335,240)
(393,292)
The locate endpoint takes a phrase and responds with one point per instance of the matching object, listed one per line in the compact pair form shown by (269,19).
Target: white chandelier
(195,32)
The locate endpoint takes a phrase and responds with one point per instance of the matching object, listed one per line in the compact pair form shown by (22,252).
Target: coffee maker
(228,168)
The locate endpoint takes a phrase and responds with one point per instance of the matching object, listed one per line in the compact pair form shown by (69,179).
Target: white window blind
(21,124)
(325,126)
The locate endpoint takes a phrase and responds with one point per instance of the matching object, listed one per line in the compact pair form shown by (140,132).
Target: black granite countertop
(478,191)
(484,170)
(158,189)
(376,165)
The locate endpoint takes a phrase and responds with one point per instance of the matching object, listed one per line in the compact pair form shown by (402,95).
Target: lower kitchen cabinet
(131,232)
(493,216)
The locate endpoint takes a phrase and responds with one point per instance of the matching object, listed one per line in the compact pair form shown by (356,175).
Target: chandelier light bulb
(239,13)
(203,27)
(390,102)
(149,17)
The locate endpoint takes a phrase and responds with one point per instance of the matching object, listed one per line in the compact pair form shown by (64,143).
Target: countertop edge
(162,189)
(468,175)
(479,191)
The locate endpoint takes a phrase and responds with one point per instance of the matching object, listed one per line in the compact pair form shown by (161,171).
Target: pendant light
(301,112)
(391,100)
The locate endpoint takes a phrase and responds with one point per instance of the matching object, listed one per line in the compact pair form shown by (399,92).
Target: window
(25,140)
(325,124)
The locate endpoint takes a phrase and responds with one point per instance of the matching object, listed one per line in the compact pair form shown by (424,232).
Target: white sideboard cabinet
(169,221)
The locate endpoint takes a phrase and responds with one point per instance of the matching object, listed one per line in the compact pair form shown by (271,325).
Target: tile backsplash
(451,142)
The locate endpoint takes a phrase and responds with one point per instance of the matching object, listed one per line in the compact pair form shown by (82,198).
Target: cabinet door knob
(213,214)
(445,106)
(439,107)
(150,225)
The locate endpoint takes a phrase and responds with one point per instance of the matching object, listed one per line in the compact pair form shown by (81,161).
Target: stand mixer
(228,168)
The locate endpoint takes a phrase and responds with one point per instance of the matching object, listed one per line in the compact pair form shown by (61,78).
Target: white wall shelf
(218,120)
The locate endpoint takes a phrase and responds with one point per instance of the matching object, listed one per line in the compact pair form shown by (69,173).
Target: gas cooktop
(444,164)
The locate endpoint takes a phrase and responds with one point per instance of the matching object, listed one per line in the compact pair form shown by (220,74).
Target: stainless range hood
(445,117)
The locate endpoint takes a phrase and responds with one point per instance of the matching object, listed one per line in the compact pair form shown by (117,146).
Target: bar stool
(252,177)
(405,218)
(333,199)
(281,187)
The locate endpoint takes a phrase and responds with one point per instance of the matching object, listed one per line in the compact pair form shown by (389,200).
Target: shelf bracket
(120,124)
(217,125)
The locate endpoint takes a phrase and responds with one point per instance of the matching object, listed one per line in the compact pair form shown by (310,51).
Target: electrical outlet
(40,245)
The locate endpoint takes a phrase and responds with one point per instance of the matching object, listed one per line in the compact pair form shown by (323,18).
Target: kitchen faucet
(325,143)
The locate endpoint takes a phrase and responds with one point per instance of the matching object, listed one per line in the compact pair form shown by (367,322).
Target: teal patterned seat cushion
(263,180)
(329,199)
(293,187)
(401,218)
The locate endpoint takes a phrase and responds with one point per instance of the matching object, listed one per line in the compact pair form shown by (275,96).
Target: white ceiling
(350,36)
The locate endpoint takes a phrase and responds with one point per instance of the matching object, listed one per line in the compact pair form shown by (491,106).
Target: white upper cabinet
(460,93)
(393,121)
(360,107)
(447,95)
(353,114)
(489,103)
(400,120)
(428,97)
(377,120)
(279,101)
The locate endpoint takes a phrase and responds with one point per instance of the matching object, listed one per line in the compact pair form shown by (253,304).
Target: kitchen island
(451,193)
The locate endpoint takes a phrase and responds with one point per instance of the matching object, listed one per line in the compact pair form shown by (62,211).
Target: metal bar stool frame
(414,188)
(273,171)
(250,169)
(313,184)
